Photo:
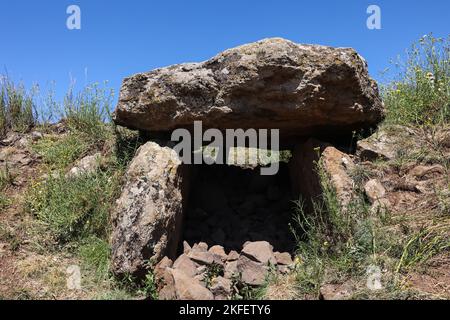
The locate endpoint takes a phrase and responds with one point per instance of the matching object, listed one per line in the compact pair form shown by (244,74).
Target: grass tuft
(74,208)
(17,108)
(419,94)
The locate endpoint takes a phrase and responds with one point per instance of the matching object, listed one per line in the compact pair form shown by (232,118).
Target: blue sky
(119,38)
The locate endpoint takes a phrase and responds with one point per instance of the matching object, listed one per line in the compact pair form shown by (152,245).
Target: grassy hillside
(53,218)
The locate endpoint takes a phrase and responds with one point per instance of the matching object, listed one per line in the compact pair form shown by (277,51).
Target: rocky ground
(32,264)
(206,274)
(401,171)
(137,221)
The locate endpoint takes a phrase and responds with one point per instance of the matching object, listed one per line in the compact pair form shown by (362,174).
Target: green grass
(7,235)
(17,108)
(4,201)
(6,179)
(337,243)
(74,208)
(75,211)
(95,254)
(423,245)
(88,111)
(419,94)
(60,152)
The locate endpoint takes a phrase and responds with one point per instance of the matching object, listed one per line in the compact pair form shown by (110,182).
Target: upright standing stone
(148,215)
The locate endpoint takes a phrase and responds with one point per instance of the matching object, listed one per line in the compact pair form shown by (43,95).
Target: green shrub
(88,111)
(74,208)
(126,143)
(425,244)
(420,92)
(331,237)
(95,253)
(4,201)
(6,177)
(59,152)
(17,109)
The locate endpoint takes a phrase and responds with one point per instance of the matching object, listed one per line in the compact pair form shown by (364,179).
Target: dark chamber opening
(229,206)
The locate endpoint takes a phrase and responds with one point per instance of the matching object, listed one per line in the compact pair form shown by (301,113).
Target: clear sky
(119,38)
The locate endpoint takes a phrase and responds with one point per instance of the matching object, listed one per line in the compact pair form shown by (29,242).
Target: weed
(149,288)
(17,108)
(8,235)
(420,92)
(60,152)
(423,245)
(74,208)
(6,177)
(95,253)
(4,201)
(213,271)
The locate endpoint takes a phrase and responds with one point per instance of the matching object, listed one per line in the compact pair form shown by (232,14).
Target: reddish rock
(233,256)
(260,251)
(218,236)
(338,166)
(221,288)
(186,247)
(204,257)
(183,263)
(426,172)
(230,269)
(161,267)
(200,247)
(283,258)
(187,288)
(252,273)
(302,170)
(298,89)
(218,251)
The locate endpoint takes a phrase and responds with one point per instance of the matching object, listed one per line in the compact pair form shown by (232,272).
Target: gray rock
(384,144)
(273,193)
(147,217)
(204,258)
(87,165)
(299,89)
(338,166)
(233,256)
(374,190)
(212,198)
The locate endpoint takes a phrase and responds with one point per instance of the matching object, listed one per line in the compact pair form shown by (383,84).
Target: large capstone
(273,83)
